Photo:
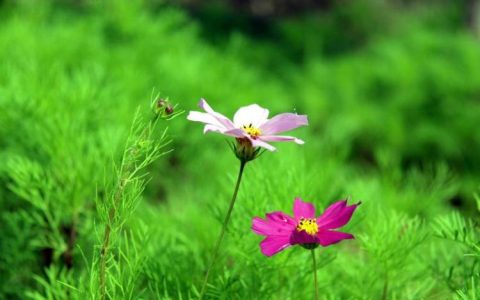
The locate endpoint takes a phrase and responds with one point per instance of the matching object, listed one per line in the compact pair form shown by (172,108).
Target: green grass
(392,123)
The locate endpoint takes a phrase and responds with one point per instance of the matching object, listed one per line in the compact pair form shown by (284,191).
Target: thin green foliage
(142,148)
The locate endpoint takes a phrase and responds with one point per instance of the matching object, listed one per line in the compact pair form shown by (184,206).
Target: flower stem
(314,263)
(224,227)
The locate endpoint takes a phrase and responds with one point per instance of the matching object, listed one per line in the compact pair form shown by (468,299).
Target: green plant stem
(385,288)
(126,173)
(224,228)
(314,263)
(106,240)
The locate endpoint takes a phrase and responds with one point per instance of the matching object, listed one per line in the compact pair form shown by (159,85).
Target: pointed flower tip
(354,204)
(303,120)
(299,141)
(189,116)
(266,253)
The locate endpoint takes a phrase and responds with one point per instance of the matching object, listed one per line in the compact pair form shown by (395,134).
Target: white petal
(281,138)
(260,143)
(197,116)
(218,116)
(252,114)
(213,128)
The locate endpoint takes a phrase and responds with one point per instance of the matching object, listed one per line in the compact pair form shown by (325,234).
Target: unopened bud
(244,150)
(163,107)
(169,109)
(161,103)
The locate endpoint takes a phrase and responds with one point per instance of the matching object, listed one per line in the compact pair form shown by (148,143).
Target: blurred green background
(392,91)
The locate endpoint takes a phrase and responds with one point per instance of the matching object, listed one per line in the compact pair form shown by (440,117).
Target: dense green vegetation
(393,109)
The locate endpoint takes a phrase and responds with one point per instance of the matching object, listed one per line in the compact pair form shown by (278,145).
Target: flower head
(282,230)
(251,125)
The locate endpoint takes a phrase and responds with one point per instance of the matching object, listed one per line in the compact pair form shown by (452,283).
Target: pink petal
(326,238)
(273,244)
(336,215)
(282,218)
(332,210)
(232,132)
(301,237)
(219,117)
(236,133)
(283,122)
(260,143)
(197,116)
(280,138)
(251,114)
(264,227)
(222,130)
(213,128)
(303,209)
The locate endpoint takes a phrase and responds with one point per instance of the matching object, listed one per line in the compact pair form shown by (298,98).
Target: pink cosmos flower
(250,123)
(303,228)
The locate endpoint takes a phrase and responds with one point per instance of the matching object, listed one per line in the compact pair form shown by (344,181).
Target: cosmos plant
(253,131)
(304,228)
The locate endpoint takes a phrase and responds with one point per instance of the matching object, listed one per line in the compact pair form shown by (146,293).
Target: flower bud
(163,107)
(244,150)
(169,109)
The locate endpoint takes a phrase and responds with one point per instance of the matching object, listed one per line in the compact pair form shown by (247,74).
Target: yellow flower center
(308,225)
(252,131)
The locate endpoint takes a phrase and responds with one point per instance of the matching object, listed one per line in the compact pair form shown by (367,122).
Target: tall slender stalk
(106,239)
(224,227)
(135,157)
(385,288)
(314,263)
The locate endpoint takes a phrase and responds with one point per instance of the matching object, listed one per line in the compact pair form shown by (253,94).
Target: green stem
(385,288)
(224,227)
(314,263)
(127,170)
(106,238)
